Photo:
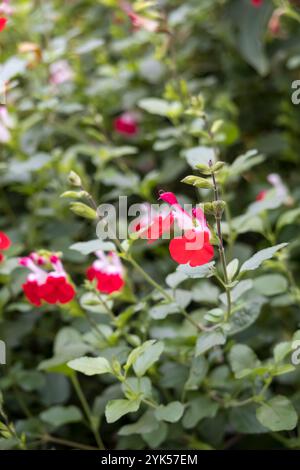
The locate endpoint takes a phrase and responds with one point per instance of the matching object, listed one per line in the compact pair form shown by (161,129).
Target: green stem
(87,410)
(222,250)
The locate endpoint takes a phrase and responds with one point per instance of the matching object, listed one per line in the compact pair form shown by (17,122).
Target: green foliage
(182,357)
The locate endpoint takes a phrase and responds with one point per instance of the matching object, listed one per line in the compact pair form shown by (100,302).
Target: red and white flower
(108,271)
(126,124)
(4,244)
(139,21)
(193,245)
(281,190)
(6,8)
(50,286)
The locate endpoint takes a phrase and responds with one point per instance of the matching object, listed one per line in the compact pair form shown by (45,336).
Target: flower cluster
(108,271)
(4,244)
(193,246)
(41,285)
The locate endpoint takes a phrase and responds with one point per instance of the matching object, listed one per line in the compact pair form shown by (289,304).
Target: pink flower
(52,287)
(3,22)
(108,271)
(60,72)
(139,21)
(5,243)
(5,124)
(5,8)
(281,190)
(126,124)
(274,25)
(193,246)
(256,3)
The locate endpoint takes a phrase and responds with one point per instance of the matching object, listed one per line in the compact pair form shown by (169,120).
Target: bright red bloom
(4,244)
(193,246)
(261,195)
(4,241)
(57,290)
(52,287)
(32,291)
(108,271)
(256,3)
(3,22)
(126,124)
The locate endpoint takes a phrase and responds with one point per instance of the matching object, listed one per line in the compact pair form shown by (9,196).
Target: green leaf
(170,413)
(197,374)
(244,421)
(244,162)
(232,268)
(208,340)
(91,365)
(61,415)
(198,409)
(278,414)
(161,311)
(199,155)
(271,284)
(289,217)
(159,107)
(256,260)
(251,24)
(147,423)
(147,358)
(196,272)
(247,314)
(242,359)
(115,409)
(85,248)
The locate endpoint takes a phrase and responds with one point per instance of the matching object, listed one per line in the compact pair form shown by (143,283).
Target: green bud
(216,126)
(203,168)
(74,179)
(218,166)
(218,207)
(197,181)
(83,210)
(232,268)
(74,194)
(208,208)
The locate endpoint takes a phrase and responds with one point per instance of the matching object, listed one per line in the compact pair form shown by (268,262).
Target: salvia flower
(60,72)
(139,21)
(281,190)
(4,244)
(257,3)
(108,272)
(41,285)
(5,8)
(126,124)
(3,22)
(193,246)
(6,124)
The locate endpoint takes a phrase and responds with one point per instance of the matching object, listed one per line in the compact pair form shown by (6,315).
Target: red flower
(3,22)
(193,246)
(126,124)
(108,272)
(139,21)
(57,290)
(4,244)
(256,3)
(52,287)
(32,291)
(261,195)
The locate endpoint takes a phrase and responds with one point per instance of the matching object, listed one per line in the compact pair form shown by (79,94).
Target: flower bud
(74,179)
(83,210)
(218,207)
(197,181)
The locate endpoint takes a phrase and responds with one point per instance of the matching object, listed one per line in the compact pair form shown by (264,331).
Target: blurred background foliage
(223,50)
